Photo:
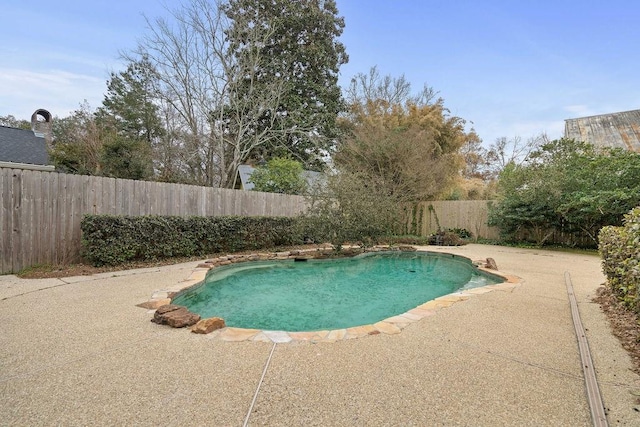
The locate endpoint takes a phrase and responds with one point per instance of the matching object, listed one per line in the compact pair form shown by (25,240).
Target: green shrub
(463,233)
(447,238)
(620,251)
(112,240)
(352,209)
(279,175)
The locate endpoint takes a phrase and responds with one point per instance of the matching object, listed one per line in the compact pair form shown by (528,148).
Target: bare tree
(11,121)
(511,151)
(381,93)
(215,124)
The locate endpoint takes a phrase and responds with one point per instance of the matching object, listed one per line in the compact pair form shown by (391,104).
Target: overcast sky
(509,68)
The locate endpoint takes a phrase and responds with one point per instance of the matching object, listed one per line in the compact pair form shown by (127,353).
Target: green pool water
(329,294)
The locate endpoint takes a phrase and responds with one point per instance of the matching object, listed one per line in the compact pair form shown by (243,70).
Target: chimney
(41,125)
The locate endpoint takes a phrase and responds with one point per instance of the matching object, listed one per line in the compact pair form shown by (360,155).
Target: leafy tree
(407,144)
(397,147)
(567,186)
(475,156)
(305,56)
(599,189)
(77,143)
(88,143)
(279,175)
(476,181)
(526,204)
(126,158)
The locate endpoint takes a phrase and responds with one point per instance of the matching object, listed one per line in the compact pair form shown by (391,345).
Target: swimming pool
(329,294)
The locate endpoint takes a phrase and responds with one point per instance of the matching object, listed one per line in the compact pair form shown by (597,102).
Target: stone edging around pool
(390,326)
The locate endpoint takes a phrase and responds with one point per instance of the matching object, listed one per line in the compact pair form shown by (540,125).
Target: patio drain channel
(591,383)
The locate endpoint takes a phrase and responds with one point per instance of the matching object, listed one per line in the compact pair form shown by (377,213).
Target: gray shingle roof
(22,146)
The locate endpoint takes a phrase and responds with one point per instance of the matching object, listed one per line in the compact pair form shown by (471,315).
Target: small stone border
(390,326)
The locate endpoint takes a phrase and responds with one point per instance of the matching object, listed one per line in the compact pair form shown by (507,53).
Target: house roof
(616,130)
(22,146)
(245,171)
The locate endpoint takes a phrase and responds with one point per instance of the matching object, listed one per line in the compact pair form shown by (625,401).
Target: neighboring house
(245,171)
(27,149)
(616,130)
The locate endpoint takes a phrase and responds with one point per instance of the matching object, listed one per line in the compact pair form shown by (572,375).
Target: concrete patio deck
(77,351)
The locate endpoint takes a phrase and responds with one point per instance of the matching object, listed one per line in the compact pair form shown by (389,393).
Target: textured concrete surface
(78,352)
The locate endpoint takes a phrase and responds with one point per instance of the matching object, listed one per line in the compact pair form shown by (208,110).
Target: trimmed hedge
(112,240)
(620,251)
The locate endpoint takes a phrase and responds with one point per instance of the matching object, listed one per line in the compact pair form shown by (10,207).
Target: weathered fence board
(40,212)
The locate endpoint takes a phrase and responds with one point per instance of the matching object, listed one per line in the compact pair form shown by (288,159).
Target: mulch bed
(82,269)
(624,323)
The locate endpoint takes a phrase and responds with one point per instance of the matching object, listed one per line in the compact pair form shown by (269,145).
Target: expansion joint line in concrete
(591,383)
(255,395)
(37,290)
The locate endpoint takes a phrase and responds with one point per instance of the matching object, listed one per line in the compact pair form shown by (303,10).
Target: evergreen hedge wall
(112,240)
(620,251)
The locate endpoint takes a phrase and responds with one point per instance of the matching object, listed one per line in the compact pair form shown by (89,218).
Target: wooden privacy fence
(40,212)
(471,215)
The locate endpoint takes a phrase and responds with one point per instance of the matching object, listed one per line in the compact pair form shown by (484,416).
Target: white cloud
(60,92)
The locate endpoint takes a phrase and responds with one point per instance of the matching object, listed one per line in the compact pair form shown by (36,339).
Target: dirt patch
(80,269)
(624,323)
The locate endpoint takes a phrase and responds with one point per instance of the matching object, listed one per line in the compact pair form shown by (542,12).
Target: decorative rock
(154,303)
(491,264)
(206,326)
(405,248)
(176,316)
